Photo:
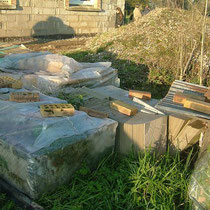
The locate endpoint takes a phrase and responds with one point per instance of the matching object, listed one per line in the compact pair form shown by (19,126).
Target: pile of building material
(177,95)
(48,72)
(189,112)
(39,152)
(140,126)
(43,140)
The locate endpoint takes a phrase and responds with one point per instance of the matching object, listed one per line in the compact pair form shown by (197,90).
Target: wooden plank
(93,113)
(196,105)
(56,110)
(23,97)
(176,124)
(180,97)
(123,108)
(140,94)
(189,135)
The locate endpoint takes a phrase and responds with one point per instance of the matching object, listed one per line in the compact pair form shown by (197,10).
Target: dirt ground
(54,46)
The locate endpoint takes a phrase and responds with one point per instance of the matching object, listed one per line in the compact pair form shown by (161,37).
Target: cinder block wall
(51,17)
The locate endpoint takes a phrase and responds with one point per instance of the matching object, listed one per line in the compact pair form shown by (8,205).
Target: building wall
(52,17)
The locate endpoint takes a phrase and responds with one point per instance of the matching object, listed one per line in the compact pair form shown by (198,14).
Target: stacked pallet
(193,101)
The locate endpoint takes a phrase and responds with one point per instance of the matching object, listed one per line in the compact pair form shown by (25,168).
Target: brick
(123,108)
(196,105)
(140,94)
(23,97)
(49,11)
(56,110)
(9,82)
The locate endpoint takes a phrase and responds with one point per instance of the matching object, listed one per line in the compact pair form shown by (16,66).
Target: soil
(54,46)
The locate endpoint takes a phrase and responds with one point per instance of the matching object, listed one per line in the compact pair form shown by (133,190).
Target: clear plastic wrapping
(199,190)
(48,72)
(38,154)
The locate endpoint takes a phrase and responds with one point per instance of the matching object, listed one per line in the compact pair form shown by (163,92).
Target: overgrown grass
(5,203)
(143,182)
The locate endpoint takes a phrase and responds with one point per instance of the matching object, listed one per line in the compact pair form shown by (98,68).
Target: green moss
(3,163)
(75,99)
(69,155)
(17,179)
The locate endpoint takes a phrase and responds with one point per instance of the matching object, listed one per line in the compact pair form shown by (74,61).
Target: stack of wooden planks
(174,101)
(194,101)
(184,131)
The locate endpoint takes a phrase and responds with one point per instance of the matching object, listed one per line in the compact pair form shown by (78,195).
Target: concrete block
(23,18)
(49,11)
(37,11)
(26,3)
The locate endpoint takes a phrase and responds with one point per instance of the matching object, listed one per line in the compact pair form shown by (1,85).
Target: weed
(6,204)
(143,182)
(74,99)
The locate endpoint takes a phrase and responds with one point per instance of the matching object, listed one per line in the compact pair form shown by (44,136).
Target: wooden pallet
(93,113)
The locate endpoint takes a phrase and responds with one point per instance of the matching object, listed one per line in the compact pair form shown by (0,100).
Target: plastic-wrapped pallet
(41,61)
(38,154)
(199,190)
(48,72)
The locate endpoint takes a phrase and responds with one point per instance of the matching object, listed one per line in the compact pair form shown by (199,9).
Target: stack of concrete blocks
(53,17)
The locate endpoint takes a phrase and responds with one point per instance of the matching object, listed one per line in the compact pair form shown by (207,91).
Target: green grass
(143,182)
(5,203)
(132,75)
